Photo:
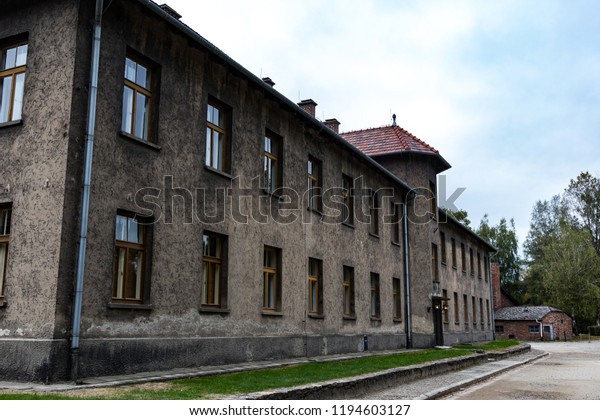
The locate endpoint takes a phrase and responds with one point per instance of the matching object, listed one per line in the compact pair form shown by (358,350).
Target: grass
(253,381)
(489,346)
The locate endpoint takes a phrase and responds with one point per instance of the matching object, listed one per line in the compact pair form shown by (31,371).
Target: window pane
(5,90)
(217,159)
(271,289)
(127,117)
(313,296)
(208,146)
(9,59)
(269,258)
(120,274)
(3,254)
(5,222)
(141,116)
(22,55)
(130,70)
(142,77)
(121,230)
(268,145)
(18,101)
(133,280)
(133,231)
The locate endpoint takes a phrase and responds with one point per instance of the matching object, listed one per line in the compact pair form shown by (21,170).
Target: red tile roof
(385,140)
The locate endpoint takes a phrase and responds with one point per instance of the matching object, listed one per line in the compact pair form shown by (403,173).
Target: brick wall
(561,324)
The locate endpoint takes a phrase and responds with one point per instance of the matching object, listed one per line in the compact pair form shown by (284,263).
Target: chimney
(394,120)
(268,81)
(333,124)
(496,286)
(170,11)
(309,106)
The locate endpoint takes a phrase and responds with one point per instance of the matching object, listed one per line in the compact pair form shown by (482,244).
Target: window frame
(397,299)
(534,329)
(443,256)
(374,206)
(471,262)
(149,92)
(315,285)
(315,184)
(454,257)
(445,315)
(435,271)
(348,200)
(395,225)
(348,293)
(463,257)
(275,270)
(221,261)
(224,130)
(145,231)
(375,298)
(13,73)
(6,214)
(273,156)
(474,308)
(466,311)
(456,309)
(433,201)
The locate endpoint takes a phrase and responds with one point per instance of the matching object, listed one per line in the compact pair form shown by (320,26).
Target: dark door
(438,325)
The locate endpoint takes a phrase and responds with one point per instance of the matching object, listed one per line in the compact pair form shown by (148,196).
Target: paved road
(570,372)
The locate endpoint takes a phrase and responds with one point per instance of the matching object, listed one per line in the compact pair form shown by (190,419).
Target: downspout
(407,276)
(541,329)
(85,201)
(489,268)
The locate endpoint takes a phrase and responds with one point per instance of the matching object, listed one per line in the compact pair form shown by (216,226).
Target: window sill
(376,318)
(396,244)
(140,306)
(138,140)
(397,320)
(218,172)
(349,318)
(444,264)
(11,123)
(272,194)
(271,313)
(348,225)
(454,267)
(316,316)
(3,304)
(374,235)
(213,310)
(319,212)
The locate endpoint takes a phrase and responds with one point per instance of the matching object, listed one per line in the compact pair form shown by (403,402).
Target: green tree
(504,238)
(461,215)
(584,194)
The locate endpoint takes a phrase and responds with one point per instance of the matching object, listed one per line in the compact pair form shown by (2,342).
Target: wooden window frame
(374,213)
(487,310)
(395,225)
(471,262)
(486,272)
(275,271)
(348,307)
(6,215)
(479,265)
(463,258)
(348,200)
(211,283)
(271,182)
(443,257)
(466,311)
(435,271)
(456,309)
(474,309)
(481,317)
(223,128)
(445,315)
(147,92)
(13,73)
(315,184)
(397,299)
(433,201)
(375,295)
(315,285)
(141,296)
(454,258)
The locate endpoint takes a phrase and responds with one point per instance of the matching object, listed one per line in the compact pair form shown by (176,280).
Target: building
(162,207)
(527,322)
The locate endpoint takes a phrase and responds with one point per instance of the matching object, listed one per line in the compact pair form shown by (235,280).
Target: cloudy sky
(508,91)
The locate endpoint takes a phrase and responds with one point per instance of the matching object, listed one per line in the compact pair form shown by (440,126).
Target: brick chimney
(170,11)
(309,106)
(333,124)
(496,286)
(268,81)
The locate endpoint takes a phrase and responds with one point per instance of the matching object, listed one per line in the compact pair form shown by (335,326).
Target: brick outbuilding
(533,323)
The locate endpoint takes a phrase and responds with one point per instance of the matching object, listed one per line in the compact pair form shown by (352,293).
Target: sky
(507,91)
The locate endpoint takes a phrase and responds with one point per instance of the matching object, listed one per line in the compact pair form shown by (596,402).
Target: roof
(523,313)
(387,139)
(468,230)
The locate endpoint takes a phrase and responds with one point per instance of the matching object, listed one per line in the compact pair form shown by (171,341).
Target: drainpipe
(407,276)
(85,201)
(541,329)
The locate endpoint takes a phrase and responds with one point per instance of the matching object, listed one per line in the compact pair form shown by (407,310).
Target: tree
(584,193)
(504,238)
(461,215)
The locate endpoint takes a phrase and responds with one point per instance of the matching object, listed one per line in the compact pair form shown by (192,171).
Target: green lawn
(260,380)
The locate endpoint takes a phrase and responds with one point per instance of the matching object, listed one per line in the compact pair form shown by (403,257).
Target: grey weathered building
(226,223)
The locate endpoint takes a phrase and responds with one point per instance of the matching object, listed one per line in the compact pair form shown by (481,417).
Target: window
(479,265)
(214,251)
(397,295)
(456,310)
(348,285)
(465,312)
(445,306)
(453,245)
(272,280)
(533,329)
(217,136)
(434,263)
(5,214)
(315,287)
(471,262)
(315,201)
(474,311)
(487,311)
(13,64)
(499,329)
(443,247)
(463,258)
(485,268)
(348,200)
(375,299)
(130,260)
(272,162)
(396,223)
(374,213)
(137,99)
(481,319)
(433,201)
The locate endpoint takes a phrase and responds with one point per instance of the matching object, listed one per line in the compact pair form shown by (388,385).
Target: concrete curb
(355,386)
(440,392)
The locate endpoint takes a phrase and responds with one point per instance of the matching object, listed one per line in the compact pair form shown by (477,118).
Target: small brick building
(527,322)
